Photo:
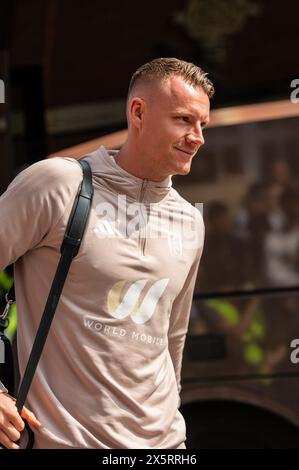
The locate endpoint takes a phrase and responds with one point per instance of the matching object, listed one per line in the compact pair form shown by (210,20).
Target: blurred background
(66,67)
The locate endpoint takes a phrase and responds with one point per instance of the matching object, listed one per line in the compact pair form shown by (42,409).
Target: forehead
(177,93)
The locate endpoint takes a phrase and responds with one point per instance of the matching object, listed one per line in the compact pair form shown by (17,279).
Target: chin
(184,170)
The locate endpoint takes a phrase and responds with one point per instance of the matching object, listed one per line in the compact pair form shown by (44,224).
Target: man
(109,376)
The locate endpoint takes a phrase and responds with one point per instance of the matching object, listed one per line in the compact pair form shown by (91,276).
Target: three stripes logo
(130,304)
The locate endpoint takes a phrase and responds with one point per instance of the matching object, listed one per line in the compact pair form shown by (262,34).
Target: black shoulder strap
(69,249)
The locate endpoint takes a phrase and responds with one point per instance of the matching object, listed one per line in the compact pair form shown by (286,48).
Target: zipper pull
(143,188)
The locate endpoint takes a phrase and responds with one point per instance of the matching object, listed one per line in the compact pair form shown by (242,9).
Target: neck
(129,160)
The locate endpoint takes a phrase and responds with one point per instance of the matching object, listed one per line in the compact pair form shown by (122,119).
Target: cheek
(171,134)
(161,134)
(162,137)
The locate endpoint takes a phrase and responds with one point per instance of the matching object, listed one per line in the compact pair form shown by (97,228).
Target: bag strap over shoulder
(69,249)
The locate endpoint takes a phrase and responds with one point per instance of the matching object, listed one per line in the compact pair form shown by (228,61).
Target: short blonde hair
(165,67)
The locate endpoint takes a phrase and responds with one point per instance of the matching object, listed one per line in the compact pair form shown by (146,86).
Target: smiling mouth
(185,152)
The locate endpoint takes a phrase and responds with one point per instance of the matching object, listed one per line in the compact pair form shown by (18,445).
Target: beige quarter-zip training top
(109,376)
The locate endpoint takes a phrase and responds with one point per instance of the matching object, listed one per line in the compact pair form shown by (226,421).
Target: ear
(136,112)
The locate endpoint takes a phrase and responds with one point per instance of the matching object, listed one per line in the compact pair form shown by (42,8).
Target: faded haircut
(166,67)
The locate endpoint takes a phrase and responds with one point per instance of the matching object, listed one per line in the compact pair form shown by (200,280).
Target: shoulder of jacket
(51,172)
(55,165)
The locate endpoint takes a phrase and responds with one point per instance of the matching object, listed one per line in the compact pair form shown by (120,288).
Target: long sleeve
(179,319)
(32,205)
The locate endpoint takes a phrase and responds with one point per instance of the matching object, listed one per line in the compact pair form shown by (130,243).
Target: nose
(196,137)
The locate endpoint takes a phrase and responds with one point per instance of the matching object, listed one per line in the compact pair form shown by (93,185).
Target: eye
(184,118)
